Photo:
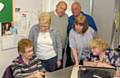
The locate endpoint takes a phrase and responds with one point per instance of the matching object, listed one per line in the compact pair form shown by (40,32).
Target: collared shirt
(20,69)
(111,57)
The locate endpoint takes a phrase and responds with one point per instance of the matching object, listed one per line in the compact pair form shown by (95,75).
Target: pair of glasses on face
(44,25)
(80,24)
(29,51)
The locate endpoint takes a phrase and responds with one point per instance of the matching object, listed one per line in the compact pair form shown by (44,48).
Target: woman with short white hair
(47,44)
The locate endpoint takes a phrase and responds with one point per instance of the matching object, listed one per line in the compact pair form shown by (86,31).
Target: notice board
(6,11)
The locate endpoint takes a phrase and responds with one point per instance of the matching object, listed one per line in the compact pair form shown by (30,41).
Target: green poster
(5,10)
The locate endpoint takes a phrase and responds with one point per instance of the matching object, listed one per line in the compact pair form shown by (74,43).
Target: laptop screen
(96,72)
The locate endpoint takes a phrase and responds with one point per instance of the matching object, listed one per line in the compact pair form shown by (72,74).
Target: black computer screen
(95,72)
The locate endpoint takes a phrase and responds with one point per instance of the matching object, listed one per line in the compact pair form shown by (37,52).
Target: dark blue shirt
(90,22)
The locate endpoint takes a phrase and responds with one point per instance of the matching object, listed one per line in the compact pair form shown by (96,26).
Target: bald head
(61,8)
(76,8)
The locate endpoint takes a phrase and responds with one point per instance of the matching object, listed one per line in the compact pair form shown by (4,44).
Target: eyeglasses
(44,25)
(28,51)
(81,24)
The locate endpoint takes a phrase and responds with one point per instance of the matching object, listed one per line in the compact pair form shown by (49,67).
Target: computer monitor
(96,72)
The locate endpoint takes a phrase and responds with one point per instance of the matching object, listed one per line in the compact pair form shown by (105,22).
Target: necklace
(43,35)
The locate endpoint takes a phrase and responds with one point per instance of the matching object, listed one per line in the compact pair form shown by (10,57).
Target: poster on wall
(8,35)
(6,10)
(25,19)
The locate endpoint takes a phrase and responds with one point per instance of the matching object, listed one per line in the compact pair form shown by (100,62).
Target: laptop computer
(62,73)
(96,72)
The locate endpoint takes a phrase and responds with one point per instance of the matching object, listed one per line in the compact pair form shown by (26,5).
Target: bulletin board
(6,10)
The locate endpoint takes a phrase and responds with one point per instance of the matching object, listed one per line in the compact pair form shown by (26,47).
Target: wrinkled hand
(101,64)
(39,74)
(76,64)
(58,64)
(117,74)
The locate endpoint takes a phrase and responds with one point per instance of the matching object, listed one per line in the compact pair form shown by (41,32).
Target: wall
(85,5)
(41,5)
(28,4)
(5,59)
(6,56)
(104,15)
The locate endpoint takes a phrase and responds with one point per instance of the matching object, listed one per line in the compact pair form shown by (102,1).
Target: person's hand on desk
(39,74)
(103,64)
(88,63)
(117,74)
(36,74)
(97,64)
(59,63)
(76,65)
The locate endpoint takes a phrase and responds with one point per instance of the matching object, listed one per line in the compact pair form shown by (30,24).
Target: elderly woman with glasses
(79,38)
(47,43)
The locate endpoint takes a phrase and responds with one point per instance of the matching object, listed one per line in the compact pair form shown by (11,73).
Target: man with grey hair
(76,11)
(59,21)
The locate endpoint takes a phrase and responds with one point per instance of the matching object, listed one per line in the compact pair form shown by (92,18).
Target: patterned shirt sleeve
(91,57)
(113,58)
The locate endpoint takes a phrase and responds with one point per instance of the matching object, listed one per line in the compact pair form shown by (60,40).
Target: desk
(69,72)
